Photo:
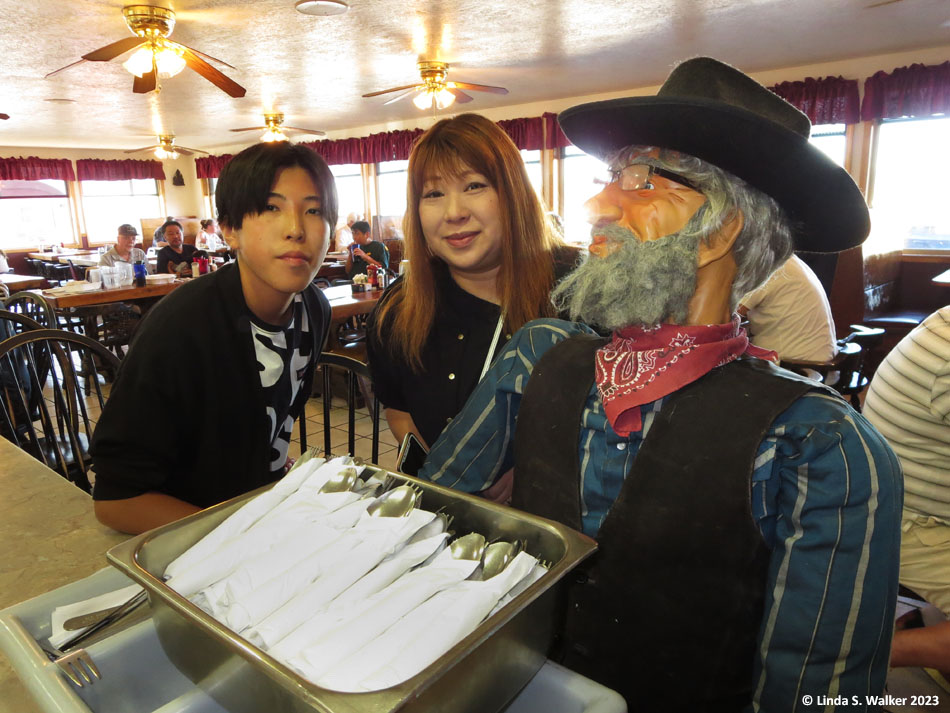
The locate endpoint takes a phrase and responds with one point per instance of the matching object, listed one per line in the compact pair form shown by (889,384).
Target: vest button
(621,446)
(461,336)
(451,377)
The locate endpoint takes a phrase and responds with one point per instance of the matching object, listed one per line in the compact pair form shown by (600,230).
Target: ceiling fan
(157,56)
(4,116)
(274,128)
(166,148)
(435,91)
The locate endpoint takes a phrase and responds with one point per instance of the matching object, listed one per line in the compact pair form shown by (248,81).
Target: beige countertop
(50,538)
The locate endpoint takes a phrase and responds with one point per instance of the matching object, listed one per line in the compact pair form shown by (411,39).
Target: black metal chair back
(50,378)
(32,305)
(12,323)
(354,370)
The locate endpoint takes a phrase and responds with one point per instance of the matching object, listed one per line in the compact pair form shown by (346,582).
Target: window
(211,184)
(108,204)
(349,189)
(34,214)
(391,178)
(909,207)
(830,140)
(579,171)
(532,164)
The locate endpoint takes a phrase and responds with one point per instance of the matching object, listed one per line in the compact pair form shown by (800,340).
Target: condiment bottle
(195,269)
(371,274)
(138,269)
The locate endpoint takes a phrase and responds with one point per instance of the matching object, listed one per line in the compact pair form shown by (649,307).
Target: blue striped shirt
(826,495)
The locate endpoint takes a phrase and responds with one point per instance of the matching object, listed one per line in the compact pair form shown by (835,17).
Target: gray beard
(641,284)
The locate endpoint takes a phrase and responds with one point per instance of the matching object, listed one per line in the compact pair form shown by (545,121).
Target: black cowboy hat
(714,112)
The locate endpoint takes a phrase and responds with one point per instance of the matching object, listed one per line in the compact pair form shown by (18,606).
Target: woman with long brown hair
(482,262)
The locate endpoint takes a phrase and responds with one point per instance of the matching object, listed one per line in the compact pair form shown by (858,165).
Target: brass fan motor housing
(433,73)
(273,121)
(149,20)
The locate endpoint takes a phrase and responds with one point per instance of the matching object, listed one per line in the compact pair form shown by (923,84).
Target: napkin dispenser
(483,672)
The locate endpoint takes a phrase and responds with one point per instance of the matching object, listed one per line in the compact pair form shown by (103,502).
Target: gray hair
(765,241)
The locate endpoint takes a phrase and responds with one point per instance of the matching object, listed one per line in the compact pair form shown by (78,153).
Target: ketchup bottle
(371,274)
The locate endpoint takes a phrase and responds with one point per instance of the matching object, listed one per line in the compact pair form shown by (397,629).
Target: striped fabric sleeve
(476,447)
(832,580)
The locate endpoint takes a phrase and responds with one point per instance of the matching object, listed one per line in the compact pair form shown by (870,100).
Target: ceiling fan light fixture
(433,97)
(168,62)
(140,62)
(321,8)
(273,134)
(162,153)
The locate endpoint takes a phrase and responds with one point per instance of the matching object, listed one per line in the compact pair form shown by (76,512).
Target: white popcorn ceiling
(314,69)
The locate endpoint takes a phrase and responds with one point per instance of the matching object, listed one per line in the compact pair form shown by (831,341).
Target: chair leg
(351,411)
(326,409)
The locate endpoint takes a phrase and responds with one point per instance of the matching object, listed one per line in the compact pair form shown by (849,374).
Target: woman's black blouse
(452,356)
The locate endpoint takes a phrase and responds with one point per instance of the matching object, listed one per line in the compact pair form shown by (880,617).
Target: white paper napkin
(62,614)
(383,609)
(424,634)
(276,627)
(375,539)
(243,517)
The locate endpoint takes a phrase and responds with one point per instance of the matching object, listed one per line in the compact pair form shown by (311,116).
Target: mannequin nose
(601,209)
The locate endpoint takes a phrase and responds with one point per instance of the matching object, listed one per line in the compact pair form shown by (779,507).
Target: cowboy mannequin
(747,520)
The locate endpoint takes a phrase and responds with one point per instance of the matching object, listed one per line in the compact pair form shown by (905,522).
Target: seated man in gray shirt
(124,249)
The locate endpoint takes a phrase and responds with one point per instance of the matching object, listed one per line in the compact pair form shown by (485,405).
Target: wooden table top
(345,304)
(51,538)
(942,279)
(61,300)
(21,282)
(61,256)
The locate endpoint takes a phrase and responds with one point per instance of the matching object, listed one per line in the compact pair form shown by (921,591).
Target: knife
(84,620)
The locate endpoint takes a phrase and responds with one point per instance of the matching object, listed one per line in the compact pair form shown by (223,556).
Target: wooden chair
(32,305)
(44,399)
(353,370)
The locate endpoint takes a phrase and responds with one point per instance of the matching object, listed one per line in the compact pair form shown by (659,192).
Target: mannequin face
(649,206)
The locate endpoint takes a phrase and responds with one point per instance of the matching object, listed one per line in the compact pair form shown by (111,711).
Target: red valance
(95,169)
(210,166)
(390,146)
(36,169)
(828,100)
(917,90)
(554,137)
(339,151)
(527,134)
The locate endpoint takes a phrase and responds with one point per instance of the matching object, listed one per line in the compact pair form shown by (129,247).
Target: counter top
(50,538)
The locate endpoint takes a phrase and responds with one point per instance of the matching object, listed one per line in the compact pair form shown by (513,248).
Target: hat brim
(826,208)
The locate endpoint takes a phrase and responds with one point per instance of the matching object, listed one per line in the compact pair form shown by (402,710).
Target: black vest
(667,611)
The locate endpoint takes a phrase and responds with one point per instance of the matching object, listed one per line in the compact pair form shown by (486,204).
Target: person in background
(790,315)
(364,251)
(176,256)
(124,249)
(252,351)
(158,237)
(909,403)
(483,260)
(207,238)
(747,519)
(344,234)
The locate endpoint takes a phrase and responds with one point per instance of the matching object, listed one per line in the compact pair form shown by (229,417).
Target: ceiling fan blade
(146,83)
(478,87)
(252,128)
(394,89)
(57,71)
(181,151)
(144,148)
(104,54)
(880,4)
(4,116)
(460,96)
(401,96)
(187,150)
(315,132)
(202,54)
(229,86)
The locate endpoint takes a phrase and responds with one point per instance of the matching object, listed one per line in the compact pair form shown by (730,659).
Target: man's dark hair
(360,225)
(172,222)
(245,183)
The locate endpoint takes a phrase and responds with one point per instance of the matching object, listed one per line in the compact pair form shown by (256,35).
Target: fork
(77,665)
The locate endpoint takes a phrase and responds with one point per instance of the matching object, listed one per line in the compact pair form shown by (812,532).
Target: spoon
(497,556)
(341,481)
(397,502)
(439,524)
(469,547)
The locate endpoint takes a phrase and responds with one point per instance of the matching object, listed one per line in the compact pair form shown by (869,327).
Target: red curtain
(554,138)
(527,134)
(390,146)
(210,166)
(339,151)
(94,169)
(917,90)
(36,169)
(828,100)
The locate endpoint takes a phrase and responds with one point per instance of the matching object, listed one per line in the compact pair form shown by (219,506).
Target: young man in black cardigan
(247,338)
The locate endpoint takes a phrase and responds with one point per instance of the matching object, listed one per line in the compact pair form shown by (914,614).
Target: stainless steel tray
(482,673)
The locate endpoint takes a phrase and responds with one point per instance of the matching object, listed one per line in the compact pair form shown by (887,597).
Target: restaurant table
(55,552)
(15,282)
(344,303)
(331,270)
(61,299)
(51,538)
(65,254)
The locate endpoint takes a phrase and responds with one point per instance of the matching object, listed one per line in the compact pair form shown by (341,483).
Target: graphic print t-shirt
(283,356)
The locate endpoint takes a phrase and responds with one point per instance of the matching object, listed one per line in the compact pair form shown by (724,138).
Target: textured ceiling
(314,69)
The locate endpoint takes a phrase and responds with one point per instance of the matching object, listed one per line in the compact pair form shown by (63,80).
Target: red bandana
(641,365)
